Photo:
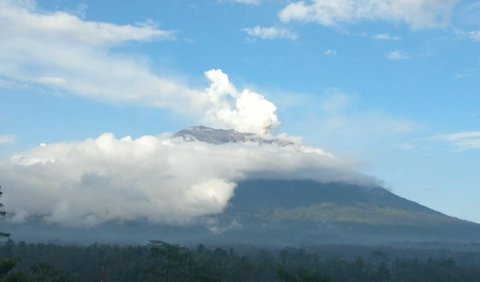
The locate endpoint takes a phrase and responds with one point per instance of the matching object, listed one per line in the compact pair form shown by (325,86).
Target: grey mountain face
(301,212)
(214,136)
(222,136)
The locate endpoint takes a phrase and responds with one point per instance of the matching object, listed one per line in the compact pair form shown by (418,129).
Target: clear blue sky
(394,87)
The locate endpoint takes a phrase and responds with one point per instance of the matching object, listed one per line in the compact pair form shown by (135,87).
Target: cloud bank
(64,52)
(417,14)
(162,179)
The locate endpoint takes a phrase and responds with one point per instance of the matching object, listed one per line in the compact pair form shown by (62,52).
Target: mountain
(281,213)
(285,212)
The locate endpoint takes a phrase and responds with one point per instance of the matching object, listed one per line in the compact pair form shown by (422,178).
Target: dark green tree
(170,262)
(2,214)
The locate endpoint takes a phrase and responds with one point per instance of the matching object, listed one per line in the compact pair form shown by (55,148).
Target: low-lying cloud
(162,179)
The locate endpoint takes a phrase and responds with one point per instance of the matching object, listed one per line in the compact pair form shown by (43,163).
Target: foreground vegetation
(159,261)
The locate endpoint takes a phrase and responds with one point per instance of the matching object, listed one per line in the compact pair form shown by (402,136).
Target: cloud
(397,55)
(466,73)
(385,36)
(246,2)
(64,52)
(270,33)
(330,52)
(162,178)
(61,50)
(453,142)
(417,14)
(460,141)
(336,102)
(251,112)
(7,139)
(338,121)
(475,35)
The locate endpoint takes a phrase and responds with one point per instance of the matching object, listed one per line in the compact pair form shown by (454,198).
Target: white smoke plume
(245,111)
(160,179)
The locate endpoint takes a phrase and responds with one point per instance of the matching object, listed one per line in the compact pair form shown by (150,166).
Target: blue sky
(392,85)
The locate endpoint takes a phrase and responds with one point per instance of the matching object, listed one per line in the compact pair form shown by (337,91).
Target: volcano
(279,212)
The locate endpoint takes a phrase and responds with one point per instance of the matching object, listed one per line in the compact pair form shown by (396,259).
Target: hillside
(306,212)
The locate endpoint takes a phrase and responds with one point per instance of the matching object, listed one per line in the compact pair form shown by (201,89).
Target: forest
(161,261)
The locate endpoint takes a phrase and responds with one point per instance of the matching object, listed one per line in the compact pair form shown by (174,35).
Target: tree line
(160,261)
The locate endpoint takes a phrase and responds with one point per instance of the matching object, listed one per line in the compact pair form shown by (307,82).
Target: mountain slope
(315,213)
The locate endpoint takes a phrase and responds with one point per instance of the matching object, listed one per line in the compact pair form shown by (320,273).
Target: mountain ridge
(223,136)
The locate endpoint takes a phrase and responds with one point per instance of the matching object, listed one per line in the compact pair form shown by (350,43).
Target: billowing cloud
(270,33)
(158,178)
(416,13)
(250,111)
(64,52)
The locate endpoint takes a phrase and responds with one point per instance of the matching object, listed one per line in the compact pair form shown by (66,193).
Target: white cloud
(475,35)
(62,51)
(397,55)
(460,141)
(356,126)
(416,13)
(330,52)
(466,73)
(338,121)
(270,33)
(251,112)
(336,102)
(7,139)
(246,2)
(456,142)
(385,36)
(161,179)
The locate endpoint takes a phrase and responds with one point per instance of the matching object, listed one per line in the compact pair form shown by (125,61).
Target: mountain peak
(214,136)
(222,136)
